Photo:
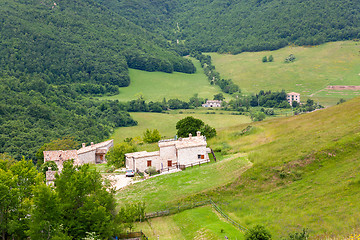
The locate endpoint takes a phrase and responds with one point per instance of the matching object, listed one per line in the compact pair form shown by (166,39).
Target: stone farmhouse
(173,153)
(94,153)
(293,96)
(212,103)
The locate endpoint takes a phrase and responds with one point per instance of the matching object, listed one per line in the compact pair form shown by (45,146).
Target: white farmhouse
(173,153)
(212,103)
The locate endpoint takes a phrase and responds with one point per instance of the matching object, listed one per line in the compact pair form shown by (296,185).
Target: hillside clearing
(166,123)
(315,68)
(155,86)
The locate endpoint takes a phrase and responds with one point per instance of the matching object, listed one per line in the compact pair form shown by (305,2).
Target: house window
(200,156)
(149,163)
(169,163)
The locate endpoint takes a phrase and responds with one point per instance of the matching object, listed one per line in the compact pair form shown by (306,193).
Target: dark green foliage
(80,41)
(86,206)
(290,58)
(116,155)
(188,125)
(17,181)
(208,131)
(151,136)
(271,58)
(29,118)
(258,233)
(258,116)
(236,26)
(131,213)
(177,104)
(219,97)
(308,107)
(45,166)
(226,85)
(341,100)
(191,125)
(270,99)
(264,59)
(303,235)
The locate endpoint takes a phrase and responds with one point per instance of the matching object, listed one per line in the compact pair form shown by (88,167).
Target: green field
(154,86)
(304,175)
(199,223)
(336,63)
(165,123)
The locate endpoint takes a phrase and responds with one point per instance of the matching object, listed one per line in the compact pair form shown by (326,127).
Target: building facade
(293,96)
(173,153)
(94,153)
(212,103)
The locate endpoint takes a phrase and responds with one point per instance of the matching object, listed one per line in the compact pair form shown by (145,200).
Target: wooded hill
(244,25)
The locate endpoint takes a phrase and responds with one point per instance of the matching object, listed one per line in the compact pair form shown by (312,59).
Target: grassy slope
(163,191)
(336,63)
(304,174)
(200,223)
(155,86)
(165,123)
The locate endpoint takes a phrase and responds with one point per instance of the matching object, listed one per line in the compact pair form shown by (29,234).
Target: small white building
(293,96)
(212,103)
(173,153)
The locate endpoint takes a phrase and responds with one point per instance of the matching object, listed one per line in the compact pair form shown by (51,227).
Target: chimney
(49,168)
(198,133)
(83,145)
(190,135)
(92,144)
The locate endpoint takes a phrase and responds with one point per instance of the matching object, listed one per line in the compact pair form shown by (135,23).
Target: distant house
(94,153)
(212,103)
(293,96)
(172,154)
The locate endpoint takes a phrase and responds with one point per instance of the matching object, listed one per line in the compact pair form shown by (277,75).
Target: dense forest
(244,25)
(33,112)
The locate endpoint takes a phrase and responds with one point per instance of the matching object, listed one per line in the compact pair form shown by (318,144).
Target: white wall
(190,155)
(168,153)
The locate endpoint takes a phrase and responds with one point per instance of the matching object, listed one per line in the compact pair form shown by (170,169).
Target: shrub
(257,233)
(151,136)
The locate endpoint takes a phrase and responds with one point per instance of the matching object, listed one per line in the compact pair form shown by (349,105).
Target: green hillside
(155,86)
(304,175)
(241,25)
(166,123)
(314,69)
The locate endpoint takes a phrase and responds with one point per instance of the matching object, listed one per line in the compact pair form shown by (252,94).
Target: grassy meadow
(304,174)
(316,67)
(155,86)
(165,122)
(200,223)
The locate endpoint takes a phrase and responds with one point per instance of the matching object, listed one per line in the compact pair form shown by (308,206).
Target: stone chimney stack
(92,144)
(190,135)
(198,133)
(83,145)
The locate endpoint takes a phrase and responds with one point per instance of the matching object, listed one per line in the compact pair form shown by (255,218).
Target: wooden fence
(132,235)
